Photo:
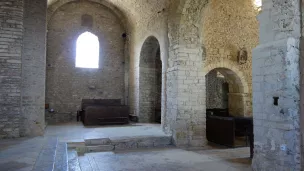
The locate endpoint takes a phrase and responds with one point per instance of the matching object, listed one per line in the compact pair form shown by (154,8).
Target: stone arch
(238,96)
(149,90)
(124,21)
(184,29)
(185,77)
(230,70)
(148,49)
(55,6)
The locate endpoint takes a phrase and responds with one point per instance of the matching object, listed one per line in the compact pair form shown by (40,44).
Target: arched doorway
(227,121)
(236,97)
(150,82)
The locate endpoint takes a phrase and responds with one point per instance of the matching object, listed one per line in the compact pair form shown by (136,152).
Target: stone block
(102,141)
(125,145)
(100,148)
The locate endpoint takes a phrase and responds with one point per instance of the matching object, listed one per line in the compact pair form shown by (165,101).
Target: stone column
(11,32)
(186,91)
(276,109)
(33,68)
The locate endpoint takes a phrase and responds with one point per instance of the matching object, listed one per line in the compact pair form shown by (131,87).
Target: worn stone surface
(276,74)
(186,88)
(226,28)
(68,85)
(194,37)
(73,161)
(11,31)
(216,96)
(20,153)
(165,159)
(61,159)
(33,68)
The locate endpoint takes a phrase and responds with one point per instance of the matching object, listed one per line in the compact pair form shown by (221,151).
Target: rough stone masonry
(194,37)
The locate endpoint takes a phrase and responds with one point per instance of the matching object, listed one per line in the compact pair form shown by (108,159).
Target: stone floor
(76,132)
(167,160)
(21,154)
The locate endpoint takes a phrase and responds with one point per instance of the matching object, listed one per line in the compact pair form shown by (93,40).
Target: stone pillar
(11,32)
(33,68)
(277,144)
(186,91)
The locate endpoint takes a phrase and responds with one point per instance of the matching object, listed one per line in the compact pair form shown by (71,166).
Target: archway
(233,98)
(150,82)
(228,122)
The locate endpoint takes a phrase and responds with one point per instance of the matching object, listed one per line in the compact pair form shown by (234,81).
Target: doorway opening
(150,82)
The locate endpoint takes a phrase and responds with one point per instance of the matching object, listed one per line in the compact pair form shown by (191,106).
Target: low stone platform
(121,143)
(162,159)
(109,138)
(76,132)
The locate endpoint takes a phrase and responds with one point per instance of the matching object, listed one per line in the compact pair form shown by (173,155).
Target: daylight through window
(87,51)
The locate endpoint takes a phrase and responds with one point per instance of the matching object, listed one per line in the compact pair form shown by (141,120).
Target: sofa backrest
(218,112)
(220,130)
(99,102)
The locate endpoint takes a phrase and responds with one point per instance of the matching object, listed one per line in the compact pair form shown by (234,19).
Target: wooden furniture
(222,128)
(103,112)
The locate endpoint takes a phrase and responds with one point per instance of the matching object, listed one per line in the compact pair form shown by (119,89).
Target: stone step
(61,159)
(100,141)
(73,161)
(46,158)
(122,143)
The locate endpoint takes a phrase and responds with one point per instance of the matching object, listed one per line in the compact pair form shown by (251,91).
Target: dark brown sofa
(103,112)
(222,128)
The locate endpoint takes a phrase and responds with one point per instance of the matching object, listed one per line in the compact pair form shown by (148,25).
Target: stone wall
(152,22)
(215,97)
(67,85)
(228,26)
(11,31)
(192,26)
(276,75)
(33,68)
(186,92)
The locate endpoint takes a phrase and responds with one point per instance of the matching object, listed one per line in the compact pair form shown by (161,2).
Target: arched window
(87,51)
(258,4)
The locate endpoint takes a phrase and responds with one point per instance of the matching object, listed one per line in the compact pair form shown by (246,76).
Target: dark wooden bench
(222,128)
(103,112)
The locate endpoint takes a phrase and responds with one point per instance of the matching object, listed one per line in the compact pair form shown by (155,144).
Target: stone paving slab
(61,159)
(20,154)
(162,160)
(46,158)
(73,161)
(76,132)
(122,143)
